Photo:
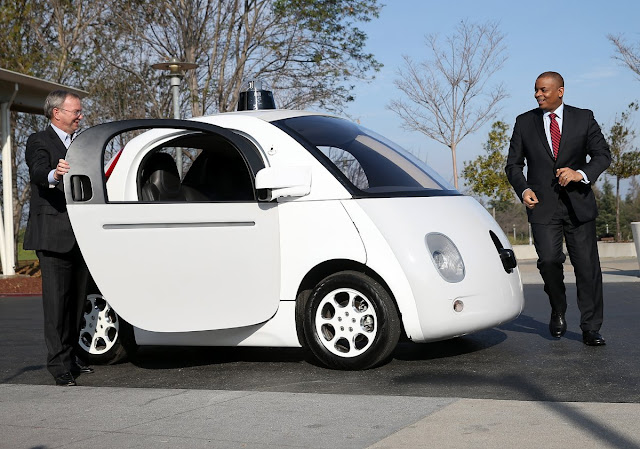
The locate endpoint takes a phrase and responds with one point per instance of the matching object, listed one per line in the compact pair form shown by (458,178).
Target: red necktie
(555,135)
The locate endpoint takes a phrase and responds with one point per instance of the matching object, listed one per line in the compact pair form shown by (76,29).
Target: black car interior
(217,174)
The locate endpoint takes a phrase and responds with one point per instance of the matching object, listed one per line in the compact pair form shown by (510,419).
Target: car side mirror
(280,182)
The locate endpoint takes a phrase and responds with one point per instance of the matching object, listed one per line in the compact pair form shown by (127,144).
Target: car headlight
(445,257)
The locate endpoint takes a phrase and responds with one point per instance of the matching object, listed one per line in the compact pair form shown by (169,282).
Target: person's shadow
(529,325)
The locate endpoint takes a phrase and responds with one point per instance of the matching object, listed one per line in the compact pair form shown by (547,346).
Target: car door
(169,264)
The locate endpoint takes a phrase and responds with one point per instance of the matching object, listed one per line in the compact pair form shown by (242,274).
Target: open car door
(174,266)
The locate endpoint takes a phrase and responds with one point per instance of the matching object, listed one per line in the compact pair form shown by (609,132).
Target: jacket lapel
(567,127)
(60,148)
(539,124)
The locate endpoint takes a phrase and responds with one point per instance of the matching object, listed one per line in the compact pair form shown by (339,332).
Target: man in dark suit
(64,273)
(553,141)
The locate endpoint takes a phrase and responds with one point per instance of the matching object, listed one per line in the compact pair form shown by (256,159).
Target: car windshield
(364,161)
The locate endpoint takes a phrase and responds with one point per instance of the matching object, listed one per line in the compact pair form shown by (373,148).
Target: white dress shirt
(66,140)
(547,131)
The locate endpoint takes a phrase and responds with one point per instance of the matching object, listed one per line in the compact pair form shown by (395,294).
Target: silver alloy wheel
(100,327)
(346,322)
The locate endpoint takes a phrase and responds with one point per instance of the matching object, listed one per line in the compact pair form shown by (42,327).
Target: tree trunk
(455,169)
(618,233)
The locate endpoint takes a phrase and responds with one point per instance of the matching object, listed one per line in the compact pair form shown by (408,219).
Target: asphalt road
(515,361)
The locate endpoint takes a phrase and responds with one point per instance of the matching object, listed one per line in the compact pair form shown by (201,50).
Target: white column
(8,261)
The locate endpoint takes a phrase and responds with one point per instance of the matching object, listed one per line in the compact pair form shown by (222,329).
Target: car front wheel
(350,322)
(105,338)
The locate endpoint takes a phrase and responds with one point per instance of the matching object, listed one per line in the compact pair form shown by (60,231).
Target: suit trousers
(64,283)
(583,252)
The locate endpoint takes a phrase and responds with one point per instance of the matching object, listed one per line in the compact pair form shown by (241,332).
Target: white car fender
(380,258)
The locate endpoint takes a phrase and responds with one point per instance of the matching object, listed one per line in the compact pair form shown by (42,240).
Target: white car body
(229,273)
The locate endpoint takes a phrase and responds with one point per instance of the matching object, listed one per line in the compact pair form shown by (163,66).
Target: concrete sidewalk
(623,269)
(52,417)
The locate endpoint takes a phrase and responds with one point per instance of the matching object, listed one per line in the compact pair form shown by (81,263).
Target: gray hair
(55,100)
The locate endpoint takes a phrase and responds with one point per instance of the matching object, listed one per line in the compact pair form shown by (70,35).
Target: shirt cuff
(585,180)
(52,181)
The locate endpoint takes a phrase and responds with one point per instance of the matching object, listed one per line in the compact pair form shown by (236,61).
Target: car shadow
(465,344)
(164,357)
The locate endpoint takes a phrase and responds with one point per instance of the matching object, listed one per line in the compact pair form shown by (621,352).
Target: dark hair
(55,100)
(555,75)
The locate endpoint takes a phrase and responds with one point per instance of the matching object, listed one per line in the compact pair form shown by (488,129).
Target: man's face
(548,93)
(68,116)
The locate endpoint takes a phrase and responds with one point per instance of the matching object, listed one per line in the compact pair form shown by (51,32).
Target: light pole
(176,69)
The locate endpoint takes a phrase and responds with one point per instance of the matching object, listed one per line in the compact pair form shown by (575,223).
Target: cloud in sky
(598,74)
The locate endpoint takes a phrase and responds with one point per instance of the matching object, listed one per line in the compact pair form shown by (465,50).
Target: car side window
(213,171)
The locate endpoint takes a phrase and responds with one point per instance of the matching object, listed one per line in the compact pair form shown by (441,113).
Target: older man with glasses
(49,233)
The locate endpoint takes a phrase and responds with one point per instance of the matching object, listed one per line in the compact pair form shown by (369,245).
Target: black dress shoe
(557,324)
(592,338)
(81,368)
(66,380)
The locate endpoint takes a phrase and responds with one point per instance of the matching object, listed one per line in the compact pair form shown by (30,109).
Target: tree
(485,175)
(606,202)
(308,51)
(47,39)
(448,97)
(627,53)
(630,208)
(625,161)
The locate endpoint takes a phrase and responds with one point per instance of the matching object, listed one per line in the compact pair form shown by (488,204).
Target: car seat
(160,180)
(220,175)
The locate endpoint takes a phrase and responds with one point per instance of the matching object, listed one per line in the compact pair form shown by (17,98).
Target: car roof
(268,115)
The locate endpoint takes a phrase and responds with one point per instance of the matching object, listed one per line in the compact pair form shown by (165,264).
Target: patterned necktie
(555,135)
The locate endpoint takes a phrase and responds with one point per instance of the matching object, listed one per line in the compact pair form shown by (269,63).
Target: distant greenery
(23,254)
(629,210)
(487,182)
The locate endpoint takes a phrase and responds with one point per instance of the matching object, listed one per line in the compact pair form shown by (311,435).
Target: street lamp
(176,69)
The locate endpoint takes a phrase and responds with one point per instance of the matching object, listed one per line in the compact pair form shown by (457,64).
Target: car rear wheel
(350,322)
(105,338)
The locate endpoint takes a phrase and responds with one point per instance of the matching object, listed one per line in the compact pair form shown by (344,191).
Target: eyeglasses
(77,113)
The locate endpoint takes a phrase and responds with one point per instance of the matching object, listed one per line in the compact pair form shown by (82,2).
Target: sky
(577,30)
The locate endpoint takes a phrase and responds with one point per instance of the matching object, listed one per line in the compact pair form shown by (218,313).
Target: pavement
(45,416)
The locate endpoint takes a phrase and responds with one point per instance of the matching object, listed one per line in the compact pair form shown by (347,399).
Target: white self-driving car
(282,229)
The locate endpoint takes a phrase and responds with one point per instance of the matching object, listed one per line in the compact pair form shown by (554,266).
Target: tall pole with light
(176,69)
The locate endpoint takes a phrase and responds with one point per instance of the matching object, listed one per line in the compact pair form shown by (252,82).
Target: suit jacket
(581,137)
(48,228)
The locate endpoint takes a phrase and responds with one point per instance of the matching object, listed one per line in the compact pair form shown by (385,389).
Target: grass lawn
(24,256)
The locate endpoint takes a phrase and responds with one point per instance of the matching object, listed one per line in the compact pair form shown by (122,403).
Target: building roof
(31,91)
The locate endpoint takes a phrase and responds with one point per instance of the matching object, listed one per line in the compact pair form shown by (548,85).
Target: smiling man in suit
(564,151)
(64,273)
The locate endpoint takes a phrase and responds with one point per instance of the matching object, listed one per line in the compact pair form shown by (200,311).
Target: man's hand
(61,169)
(529,199)
(565,175)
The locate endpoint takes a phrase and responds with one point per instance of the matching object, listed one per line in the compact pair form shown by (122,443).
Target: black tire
(350,322)
(105,338)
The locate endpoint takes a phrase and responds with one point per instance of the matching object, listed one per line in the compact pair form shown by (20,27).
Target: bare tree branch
(448,97)
(628,54)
